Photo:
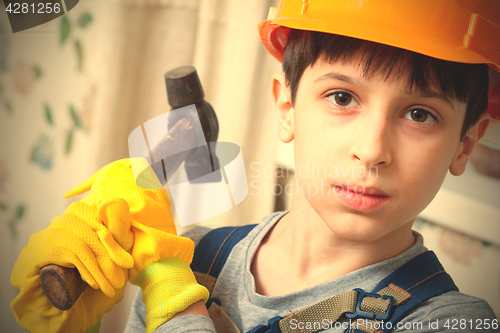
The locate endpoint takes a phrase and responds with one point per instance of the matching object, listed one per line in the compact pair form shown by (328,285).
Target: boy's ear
(466,147)
(281,94)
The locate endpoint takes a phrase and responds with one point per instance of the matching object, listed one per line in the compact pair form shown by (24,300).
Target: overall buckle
(370,315)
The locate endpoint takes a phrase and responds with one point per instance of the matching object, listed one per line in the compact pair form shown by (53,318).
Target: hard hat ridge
(465,31)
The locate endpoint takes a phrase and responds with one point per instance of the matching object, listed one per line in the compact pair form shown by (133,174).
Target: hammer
(63,286)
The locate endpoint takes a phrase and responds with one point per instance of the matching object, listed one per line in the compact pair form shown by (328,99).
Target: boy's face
(351,130)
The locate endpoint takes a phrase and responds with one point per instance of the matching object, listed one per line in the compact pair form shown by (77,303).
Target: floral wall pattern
(11,215)
(45,127)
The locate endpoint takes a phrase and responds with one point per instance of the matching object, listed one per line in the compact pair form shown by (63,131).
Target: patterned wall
(49,88)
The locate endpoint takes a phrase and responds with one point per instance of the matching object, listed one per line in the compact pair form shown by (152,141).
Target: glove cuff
(169,287)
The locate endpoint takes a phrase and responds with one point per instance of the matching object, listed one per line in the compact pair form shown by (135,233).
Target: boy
(401,119)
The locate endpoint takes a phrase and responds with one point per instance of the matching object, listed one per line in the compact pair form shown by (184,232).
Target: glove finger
(86,185)
(116,236)
(114,213)
(83,187)
(80,238)
(94,269)
(108,275)
(55,251)
(70,260)
(116,253)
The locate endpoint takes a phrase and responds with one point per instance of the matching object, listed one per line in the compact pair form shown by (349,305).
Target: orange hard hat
(466,31)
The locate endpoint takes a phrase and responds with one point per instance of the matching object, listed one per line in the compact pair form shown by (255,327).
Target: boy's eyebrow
(339,77)
(441,97)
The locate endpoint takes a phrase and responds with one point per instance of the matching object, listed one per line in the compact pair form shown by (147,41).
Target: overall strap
(423,277)
(209,258)
(213,250)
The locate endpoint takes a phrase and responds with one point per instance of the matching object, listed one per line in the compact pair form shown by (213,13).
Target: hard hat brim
(273,35)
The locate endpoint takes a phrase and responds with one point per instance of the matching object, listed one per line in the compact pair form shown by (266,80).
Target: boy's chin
(358,228)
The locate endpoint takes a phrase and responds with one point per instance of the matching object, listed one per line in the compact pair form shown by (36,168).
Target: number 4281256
(478,324)
(39,8)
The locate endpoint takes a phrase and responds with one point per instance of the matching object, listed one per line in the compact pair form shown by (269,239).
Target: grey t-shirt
(235,288)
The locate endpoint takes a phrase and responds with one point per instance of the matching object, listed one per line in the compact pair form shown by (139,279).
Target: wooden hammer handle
(62,286)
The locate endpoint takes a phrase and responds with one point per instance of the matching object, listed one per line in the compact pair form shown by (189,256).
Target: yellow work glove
(79,239)
(161,258)
(92,235)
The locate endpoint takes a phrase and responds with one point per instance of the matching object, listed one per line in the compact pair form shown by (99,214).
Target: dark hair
(466,82)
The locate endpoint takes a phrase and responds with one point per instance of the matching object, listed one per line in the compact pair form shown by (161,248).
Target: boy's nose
(372,144)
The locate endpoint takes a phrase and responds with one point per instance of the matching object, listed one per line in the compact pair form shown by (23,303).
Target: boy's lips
(360,197)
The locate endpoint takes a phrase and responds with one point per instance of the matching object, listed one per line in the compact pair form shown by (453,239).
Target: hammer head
(183,89)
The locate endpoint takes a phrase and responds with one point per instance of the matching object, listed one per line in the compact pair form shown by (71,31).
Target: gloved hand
(161,258)
(79,239)
(114,193)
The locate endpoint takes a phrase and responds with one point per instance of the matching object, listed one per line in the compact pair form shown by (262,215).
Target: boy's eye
(420,115)
(342,99)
